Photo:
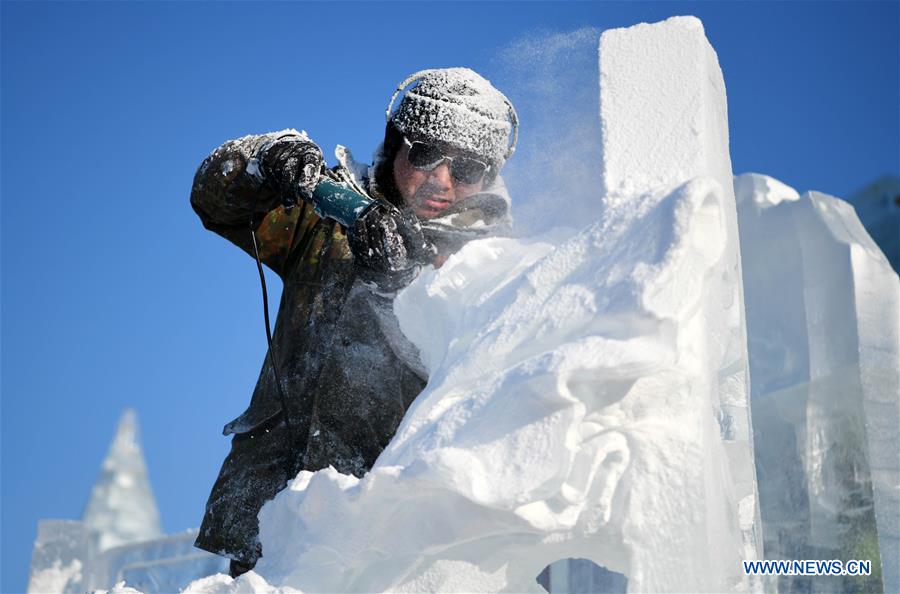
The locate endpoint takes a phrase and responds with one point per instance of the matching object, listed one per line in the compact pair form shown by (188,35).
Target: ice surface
(122,508)
(822,315)
(164,564)
(663,108)
(664,120)
(763,191)
(119,538)
(56,560)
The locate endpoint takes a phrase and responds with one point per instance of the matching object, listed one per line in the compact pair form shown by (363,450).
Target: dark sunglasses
(428,156)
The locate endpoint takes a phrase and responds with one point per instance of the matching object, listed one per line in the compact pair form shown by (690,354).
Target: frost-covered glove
(388,247)
(292,166)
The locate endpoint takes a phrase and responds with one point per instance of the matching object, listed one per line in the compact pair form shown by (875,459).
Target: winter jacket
(348,372)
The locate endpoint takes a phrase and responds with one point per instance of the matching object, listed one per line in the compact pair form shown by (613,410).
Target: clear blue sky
(113,295)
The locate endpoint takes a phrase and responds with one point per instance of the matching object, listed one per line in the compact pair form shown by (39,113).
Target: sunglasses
(427,157)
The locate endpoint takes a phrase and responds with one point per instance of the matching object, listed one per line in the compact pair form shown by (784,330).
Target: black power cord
(271,353)
(289,458)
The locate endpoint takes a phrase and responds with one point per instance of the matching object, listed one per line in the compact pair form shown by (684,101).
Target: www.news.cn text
(807,567)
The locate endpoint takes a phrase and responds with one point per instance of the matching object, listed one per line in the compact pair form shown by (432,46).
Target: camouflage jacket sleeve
(229,194)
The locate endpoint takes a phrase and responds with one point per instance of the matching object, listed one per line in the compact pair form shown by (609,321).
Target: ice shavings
(554,175)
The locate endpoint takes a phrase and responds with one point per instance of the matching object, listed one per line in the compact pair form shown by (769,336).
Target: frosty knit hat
(459,107)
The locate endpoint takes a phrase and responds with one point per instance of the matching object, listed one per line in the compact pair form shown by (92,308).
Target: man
(343,374)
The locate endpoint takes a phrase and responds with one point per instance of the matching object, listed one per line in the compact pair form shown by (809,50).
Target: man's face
(429,193)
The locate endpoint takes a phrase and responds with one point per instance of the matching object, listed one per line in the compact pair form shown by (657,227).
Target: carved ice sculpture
(119,536)
(587,396)
(823,307)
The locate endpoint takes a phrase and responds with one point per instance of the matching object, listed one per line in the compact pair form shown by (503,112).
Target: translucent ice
(122,508)
(822,315)
(119,537)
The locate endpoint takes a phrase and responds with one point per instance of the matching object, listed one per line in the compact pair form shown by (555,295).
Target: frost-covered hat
(459,107)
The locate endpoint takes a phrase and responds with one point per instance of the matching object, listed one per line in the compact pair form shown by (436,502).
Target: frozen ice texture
(56,560)
(822,315)
(164,564)
(119,538)
(664,120)
(663,108)
(122,508)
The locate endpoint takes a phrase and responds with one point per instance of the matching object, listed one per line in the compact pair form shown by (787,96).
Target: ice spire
(122,508)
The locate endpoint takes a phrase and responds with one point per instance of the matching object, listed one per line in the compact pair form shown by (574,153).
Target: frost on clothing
(458,107)
(348,373)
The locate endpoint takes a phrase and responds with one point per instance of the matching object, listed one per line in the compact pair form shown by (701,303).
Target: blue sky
(113,295)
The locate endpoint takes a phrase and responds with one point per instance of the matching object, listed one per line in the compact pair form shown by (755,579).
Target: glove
(292,165)
(388,247)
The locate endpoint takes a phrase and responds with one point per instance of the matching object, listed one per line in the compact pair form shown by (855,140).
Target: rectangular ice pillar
(664,121)
(823,313)
(61,552)
(664,117)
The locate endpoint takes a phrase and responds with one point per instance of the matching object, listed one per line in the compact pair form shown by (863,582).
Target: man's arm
(230,190)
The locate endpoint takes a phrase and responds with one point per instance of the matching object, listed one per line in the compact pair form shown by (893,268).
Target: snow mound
(249,583)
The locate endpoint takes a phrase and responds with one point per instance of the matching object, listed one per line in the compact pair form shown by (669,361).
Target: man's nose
(441,174)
